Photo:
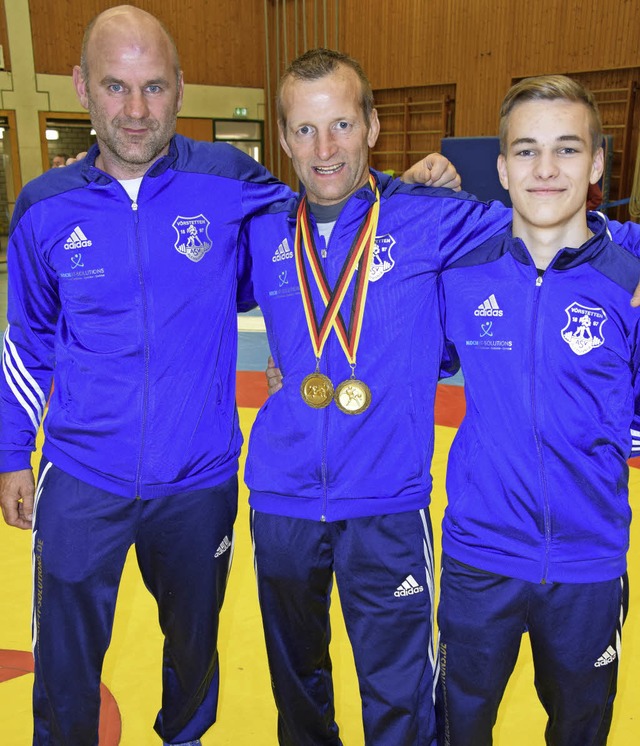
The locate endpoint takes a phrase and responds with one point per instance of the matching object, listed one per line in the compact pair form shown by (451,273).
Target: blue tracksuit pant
(81,537)
(575,631)
(383,566)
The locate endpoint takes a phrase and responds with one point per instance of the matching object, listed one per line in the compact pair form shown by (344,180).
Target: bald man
(122,285)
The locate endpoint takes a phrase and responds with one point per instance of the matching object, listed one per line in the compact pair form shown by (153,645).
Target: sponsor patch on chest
(490,332)
(80,263)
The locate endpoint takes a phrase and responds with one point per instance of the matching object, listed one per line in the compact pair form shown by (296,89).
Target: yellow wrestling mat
(246,714)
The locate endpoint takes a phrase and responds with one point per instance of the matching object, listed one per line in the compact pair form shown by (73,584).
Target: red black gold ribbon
(359,258)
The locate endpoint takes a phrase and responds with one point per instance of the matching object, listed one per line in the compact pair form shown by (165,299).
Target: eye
(343,126)
(524,153)
(115,88)
(154,88)
(568,150)
(304,130)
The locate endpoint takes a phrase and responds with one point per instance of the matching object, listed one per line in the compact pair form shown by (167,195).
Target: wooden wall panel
(481,45)
(196,129)
(4,39)
(413,121)
(477,46)
(221,42)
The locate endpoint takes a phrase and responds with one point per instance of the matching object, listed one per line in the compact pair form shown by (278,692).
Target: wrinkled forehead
(339,89)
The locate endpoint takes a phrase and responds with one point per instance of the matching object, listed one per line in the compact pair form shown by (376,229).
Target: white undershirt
(324,229)
(132,187)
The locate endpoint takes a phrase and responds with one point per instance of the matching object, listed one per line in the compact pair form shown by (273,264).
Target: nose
(325,146)
(546,166)
(136,105)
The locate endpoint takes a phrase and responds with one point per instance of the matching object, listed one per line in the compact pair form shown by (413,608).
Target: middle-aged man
(338,463)
(346,278)
(122,291)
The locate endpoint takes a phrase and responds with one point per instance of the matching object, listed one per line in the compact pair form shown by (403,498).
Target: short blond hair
(317,63)
(550,88)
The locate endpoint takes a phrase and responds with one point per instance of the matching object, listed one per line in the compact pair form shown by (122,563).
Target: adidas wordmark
(489,307)
(77,240)
(607,657)
(224,545)
(408,587)
(282,252)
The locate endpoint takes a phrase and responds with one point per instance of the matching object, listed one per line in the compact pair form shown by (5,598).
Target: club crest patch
(583,331)
(381,261)
(193,236)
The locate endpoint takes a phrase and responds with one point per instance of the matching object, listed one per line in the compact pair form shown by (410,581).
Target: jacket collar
(566,258)
(364,193)
(92,173)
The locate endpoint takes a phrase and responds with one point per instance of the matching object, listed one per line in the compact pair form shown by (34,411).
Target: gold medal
(352,396)
(317,390)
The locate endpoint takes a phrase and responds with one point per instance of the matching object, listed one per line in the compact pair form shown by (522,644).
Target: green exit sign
(240,111)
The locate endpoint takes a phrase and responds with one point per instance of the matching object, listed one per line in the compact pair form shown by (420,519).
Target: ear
(180,92)
(80,85)
(502,171)
(374,129)
(283,141)
(598,166)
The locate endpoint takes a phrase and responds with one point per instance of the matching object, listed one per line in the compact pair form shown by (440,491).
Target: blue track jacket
(324,464)
(537,475)
(130,309)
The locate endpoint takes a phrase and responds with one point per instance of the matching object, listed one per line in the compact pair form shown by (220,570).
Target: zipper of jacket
(323,466)
(145,394)
(536,433)
(331,342)
(325,414)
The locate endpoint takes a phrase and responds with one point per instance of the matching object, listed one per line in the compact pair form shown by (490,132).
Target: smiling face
(547,167)
(133,91)
(326,136)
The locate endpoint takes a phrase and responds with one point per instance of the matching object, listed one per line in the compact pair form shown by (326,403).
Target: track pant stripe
(34,627)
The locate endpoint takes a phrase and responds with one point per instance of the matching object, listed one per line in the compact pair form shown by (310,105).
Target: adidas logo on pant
(607,657)
(224,545)
(408,587)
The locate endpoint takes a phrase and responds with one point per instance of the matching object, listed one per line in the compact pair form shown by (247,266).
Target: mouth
(328,170)
(135,132)
(547,192)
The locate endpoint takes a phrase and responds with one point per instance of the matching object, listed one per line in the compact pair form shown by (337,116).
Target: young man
(536,530)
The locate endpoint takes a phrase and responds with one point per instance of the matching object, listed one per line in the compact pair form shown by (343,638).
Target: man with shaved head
(131,137)
(122,276)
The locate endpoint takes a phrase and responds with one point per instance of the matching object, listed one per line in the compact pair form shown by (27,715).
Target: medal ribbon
(360,256)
